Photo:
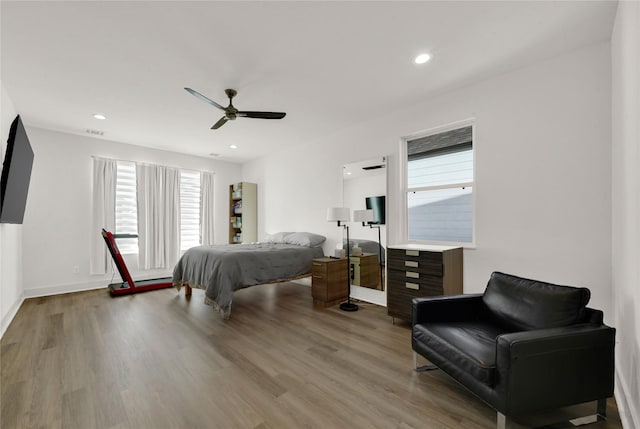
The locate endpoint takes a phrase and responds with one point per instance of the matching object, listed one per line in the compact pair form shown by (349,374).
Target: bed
(222,269)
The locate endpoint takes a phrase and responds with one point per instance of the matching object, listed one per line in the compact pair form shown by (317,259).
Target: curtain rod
(149,164)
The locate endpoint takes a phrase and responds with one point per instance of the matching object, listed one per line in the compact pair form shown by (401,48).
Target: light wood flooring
(159,360)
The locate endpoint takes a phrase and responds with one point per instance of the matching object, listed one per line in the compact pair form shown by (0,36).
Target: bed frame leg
(187,291)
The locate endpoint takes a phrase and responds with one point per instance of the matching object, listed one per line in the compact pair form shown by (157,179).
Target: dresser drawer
(407,279)
(415,255)
(319,269)
(417,261)
(328,269)
(399,300)
(417,266)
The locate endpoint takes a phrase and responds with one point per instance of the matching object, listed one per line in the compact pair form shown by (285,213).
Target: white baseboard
(64,288)
(627,409)
(8,318)
(305,281)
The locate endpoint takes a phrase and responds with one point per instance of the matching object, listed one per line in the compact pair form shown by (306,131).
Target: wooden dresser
(421,270)
(328,281)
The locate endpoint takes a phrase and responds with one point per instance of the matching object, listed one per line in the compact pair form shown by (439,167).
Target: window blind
(126,206)
(441,143)
(189,209)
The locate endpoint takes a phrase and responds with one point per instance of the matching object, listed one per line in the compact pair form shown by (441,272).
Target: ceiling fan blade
(203,98)
(220,123)
(262,115)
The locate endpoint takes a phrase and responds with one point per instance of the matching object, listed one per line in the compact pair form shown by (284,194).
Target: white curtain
(104,212)
(206,208)
(158,190)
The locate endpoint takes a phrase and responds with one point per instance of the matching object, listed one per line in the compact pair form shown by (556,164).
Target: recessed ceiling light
(99,116)
(233,146)
(422,58)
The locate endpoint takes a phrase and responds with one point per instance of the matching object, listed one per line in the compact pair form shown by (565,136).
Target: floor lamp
(366,217)
(341,215)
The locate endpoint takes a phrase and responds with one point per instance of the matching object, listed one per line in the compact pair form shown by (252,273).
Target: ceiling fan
(230,112)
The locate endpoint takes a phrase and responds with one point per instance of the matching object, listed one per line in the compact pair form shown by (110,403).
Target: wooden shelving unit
(243,213)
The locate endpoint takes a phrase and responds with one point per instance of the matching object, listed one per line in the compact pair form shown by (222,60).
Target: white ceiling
(327,64)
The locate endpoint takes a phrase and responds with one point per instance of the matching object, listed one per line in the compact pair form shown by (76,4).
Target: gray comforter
(222,269)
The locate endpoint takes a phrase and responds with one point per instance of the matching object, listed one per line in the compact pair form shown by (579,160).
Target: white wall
(11,291)
(57,223)
(543,172)
(625,44)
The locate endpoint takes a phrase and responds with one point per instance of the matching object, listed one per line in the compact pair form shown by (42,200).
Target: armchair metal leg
(423,367)
(502,421)
(602,408)
(601,414)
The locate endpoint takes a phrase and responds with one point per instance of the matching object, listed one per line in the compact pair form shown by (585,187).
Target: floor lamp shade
(364,216)
(338,214)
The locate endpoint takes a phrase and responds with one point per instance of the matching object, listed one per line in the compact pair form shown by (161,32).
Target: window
(189,209)
(127,207)
(440,186)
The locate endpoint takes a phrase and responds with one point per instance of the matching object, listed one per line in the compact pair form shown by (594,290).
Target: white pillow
(304,239)
(277,237)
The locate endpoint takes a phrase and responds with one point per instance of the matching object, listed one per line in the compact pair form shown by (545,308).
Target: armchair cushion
(522,304)
(470,346)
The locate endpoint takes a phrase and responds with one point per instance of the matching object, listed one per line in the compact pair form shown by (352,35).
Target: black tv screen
(16,174)
(377,204)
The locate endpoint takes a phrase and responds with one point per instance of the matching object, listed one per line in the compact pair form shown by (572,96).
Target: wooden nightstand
(366,271)
(328,281)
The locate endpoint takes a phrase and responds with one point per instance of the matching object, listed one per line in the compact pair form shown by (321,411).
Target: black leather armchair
(521,346)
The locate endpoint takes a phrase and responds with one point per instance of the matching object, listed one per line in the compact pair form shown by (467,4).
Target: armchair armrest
(554,367)
(449,308)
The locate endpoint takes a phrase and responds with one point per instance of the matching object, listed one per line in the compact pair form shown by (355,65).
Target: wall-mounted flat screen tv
(16,174)
(377,204)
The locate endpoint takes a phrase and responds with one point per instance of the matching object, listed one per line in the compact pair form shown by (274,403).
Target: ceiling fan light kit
(230,112)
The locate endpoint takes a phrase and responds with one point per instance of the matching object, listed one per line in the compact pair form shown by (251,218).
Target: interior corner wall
(11,290)
(542,179)
(57,224)
(625,60)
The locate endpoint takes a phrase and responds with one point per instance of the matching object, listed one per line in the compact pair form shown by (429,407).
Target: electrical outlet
(75,269)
